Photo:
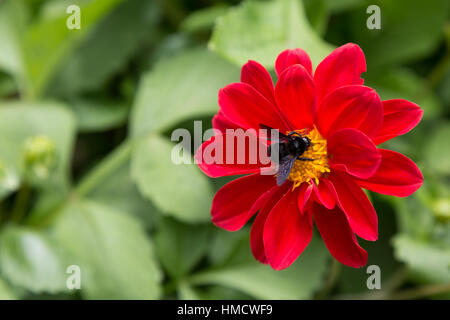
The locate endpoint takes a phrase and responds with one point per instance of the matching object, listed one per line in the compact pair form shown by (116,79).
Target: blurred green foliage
(107,97)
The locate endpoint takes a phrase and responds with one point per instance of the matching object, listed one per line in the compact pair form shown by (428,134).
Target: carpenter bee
(290,148)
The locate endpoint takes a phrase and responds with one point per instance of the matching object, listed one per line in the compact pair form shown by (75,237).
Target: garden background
(86,117)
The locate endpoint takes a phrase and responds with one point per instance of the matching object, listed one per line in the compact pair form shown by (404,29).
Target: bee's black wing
(281,136)
(284,168)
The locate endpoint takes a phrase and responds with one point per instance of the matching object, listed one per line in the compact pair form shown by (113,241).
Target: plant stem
(112,162)
(393,283)
(333,276)
(93,179)
(408,294)
(420,292)
(20,203)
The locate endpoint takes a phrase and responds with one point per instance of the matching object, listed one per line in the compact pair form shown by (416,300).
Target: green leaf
(28,259)
(48,41)
(224,245)
(178,88)
(186,292)
(444,84)
(410,29)
(437,155)
(181,191)
(398,83)
(243,273)
(109,46)
(180,247)
(343,5)
(317,13)
(427,262)
(203,19)
(112,250)
(12,22)
(261,30)
(5,292)
(21,121)
(380,252)
(118,190)
(414,218)
(213,292)
(99,114)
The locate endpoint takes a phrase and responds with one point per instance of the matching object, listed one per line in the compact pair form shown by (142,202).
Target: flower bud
(441,208)
(39,156)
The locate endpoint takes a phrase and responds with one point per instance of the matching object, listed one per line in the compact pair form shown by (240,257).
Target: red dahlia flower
(345,121)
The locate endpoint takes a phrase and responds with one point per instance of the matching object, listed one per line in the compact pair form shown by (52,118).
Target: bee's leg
(305,159)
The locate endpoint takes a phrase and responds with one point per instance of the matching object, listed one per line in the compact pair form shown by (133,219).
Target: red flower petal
(304,195)
(325,193)
(215,159)
(256,234)
(290,57)
(287,232)
(222,123)
(294,93)
(352,151)
(338,236)
(353,201)
(357,107)
(259,78)
(234,204)
(397,176)
(400,116)
(245,106)
(341,68)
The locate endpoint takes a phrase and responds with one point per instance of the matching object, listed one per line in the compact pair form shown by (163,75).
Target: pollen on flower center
(306,171)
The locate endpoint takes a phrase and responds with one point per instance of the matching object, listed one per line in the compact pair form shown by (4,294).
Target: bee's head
(297,137)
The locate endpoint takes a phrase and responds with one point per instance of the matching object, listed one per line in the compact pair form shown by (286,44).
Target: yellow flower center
(307,171)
